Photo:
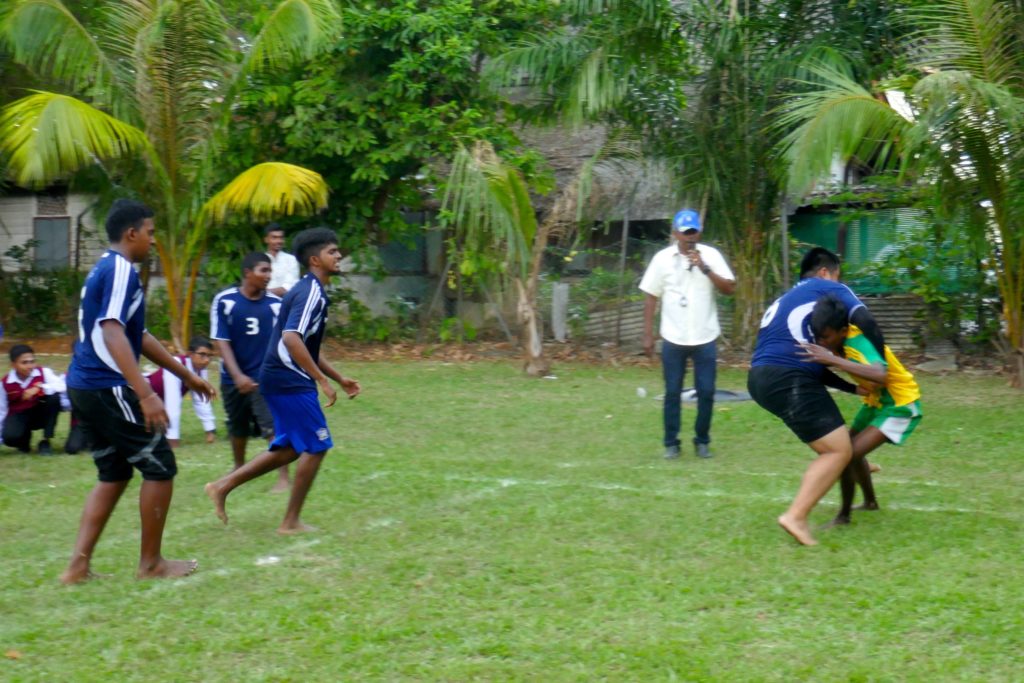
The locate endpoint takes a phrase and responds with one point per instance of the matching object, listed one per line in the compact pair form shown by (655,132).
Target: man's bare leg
(305,473)
(264,462)
(238,444)
(834,451)
(99,505)
(154,502)
(283,482)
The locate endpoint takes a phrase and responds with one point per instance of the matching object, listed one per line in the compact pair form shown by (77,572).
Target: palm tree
(147,95)
(487,201)
(966,131)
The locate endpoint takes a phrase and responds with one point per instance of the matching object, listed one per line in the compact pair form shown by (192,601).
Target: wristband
(705,270)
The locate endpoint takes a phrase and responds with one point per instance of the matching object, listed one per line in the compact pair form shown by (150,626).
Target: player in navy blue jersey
(241,322)
(292,370)
(124,418)
(784,383)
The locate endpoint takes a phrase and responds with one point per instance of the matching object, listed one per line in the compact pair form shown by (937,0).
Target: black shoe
(671,452)
(703,450)
(44,448)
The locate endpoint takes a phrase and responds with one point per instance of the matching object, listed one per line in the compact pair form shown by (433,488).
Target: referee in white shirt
(284,268)
(684,277)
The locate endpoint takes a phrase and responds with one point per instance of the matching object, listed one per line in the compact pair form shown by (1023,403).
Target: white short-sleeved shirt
(284,270)
(689,315)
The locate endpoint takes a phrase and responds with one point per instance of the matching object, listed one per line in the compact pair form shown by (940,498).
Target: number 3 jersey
(247,324)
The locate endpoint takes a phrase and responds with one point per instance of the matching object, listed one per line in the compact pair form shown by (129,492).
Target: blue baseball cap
(687,219)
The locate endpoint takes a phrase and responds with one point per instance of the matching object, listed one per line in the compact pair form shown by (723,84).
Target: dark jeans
(673,366)
(18,427)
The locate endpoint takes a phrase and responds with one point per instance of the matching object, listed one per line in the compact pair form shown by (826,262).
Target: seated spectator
(30,401)
(171,391)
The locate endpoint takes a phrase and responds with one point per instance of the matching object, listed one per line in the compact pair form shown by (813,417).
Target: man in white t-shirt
(685,277)
(284,268)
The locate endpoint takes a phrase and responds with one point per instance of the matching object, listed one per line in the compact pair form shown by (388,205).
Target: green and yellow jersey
(900,388)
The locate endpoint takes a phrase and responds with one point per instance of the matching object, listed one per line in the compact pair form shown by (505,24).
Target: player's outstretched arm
(155,351)
(350,386)
(819,354)
(300,354)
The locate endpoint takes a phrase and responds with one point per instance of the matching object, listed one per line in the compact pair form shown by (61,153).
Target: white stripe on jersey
(100,347)
(119,289)
(286,358)
(215,332)
(307,311)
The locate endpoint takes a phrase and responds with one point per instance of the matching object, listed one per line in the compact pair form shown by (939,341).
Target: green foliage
(363,326)
(34,301)
(456,329)
(398,91)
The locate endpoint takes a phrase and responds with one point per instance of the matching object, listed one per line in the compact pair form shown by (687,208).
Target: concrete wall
(17,223)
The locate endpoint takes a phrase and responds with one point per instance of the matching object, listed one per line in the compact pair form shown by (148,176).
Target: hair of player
(252,259)
(272,227)
(308,243)
(829,314)
(816,259)
(19,350)
(125,214)
(197,342)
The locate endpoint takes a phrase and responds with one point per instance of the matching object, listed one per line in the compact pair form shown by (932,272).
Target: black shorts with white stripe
(114,424)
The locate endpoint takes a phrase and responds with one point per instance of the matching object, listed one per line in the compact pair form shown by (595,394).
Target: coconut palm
(147,95)
(966,130)
(487,201)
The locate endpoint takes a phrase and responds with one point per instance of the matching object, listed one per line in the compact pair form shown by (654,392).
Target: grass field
(477,525)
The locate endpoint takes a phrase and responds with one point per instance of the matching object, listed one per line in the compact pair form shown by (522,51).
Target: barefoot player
(242,320)
(782,382)
(122,415)
(891,409)
(291,372)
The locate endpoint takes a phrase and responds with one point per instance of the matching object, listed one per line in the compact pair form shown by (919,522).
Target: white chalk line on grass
(706,493)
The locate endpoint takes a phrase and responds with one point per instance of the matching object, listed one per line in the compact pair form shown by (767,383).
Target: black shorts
(798,398)
(113,424)
(248,414)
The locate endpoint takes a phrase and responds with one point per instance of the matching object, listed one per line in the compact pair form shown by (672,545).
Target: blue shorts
(299,422)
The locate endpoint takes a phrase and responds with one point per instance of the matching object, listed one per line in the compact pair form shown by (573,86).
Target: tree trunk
(534,362)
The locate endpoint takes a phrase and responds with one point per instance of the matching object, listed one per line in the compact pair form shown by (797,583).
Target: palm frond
(839,119)
(980,37)
(47,136)
(181,59)
(46,37)
(296,31)
(490,205)
(269,190)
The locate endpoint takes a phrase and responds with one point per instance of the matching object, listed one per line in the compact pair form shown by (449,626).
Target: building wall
(19,213)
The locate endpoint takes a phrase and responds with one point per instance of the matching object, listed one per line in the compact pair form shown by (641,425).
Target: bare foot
(297,528)
(869,505)
(168,569)
(281,486)
(798,530)
(73,575)
(874,468)
(218,498)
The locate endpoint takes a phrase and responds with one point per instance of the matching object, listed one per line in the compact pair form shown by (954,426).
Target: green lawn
(477,525)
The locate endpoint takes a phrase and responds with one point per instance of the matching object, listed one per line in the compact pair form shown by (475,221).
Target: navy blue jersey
(787,323)
(112,291)
(303,310)
(247,325)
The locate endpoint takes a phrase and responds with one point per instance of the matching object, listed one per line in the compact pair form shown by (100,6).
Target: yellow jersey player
(891,409)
